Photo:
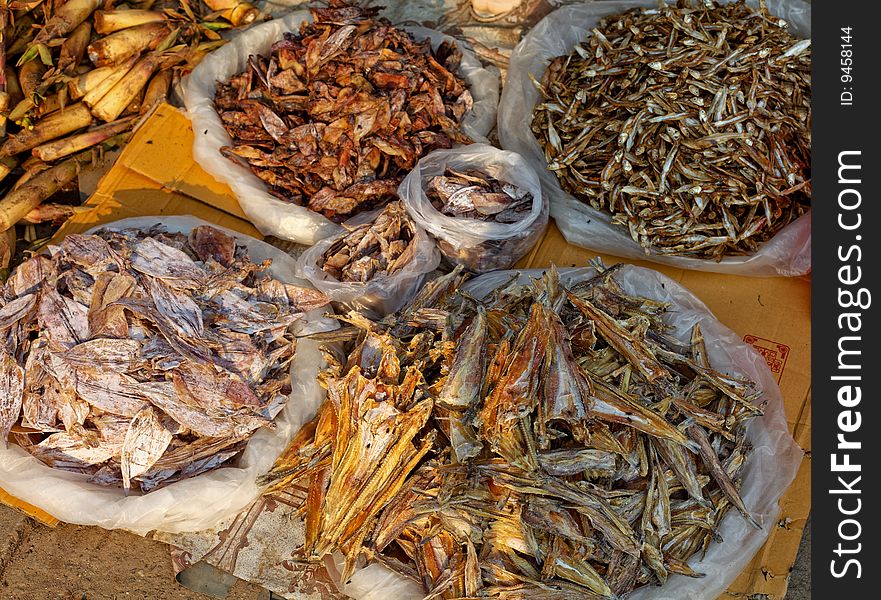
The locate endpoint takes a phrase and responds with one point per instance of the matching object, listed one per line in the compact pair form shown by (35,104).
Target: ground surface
(88,563)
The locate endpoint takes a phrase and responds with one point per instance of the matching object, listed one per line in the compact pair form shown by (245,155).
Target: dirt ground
(89,563)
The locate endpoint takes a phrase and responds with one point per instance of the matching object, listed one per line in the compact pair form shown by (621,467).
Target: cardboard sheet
(156,175)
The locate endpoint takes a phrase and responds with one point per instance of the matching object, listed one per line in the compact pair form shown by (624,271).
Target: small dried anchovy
(142,357)
(474,195)
(544,442)
(338,113)
(380,247)
(689,124)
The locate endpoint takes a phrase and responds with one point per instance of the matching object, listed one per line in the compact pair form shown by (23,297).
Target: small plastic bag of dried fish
(191,476)
(787,253)
(377,265)
(269,213)
(486,208)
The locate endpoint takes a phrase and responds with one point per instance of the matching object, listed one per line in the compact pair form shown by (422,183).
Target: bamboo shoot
(49,128)
(52,213)
(235,11)
(110,21)
(80,86)
(70,145)
(129,87)
(30,76)
(100,90)
(66,18)
(22,200)
(121,45)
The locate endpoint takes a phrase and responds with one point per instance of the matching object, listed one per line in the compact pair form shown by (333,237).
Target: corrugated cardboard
(156,175)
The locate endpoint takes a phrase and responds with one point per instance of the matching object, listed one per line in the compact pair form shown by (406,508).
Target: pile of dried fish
(143,358)
(382,246)
(544,442)
(76,75)
(336,114)
(689,124)
(473,195)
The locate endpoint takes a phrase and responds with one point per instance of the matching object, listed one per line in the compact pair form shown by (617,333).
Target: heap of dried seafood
(474,195)
(76,76)
(382,246)
(336,114)
(543,442)
(142,358)
(689,124)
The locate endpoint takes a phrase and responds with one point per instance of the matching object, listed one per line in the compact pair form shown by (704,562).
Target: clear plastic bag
(269,214)
(768,472)
(203,501)
(479,245)
(787,254)
(382,295)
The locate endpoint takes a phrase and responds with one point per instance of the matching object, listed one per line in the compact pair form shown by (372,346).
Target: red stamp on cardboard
(775,353)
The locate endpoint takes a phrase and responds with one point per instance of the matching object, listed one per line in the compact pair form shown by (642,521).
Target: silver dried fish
(689,124)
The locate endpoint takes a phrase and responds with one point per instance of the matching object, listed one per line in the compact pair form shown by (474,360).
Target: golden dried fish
(531,444)
(689,124)
(144,357)
(462,386)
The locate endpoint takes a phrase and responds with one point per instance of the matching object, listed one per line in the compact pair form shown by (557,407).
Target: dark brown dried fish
(528,460)
(338,113)
(153,358)
(690,124)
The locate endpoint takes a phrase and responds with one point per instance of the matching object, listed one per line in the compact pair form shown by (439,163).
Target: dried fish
(688,123)
(529,444)
(153,357)
(382,246)
(338,112)
(473,195)
(470,194)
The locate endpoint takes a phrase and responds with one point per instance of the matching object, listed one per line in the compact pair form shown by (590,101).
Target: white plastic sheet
(479,245)
(768,472)
(384,293)
(269,214)
(202,501)
(787,254)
